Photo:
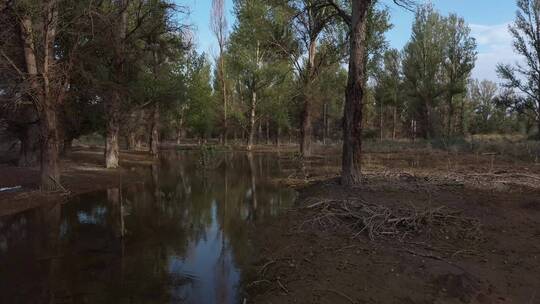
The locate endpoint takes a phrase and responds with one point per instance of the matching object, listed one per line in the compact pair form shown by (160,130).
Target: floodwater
(181,236)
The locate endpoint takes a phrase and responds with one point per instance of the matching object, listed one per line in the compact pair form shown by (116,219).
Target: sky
(488,20)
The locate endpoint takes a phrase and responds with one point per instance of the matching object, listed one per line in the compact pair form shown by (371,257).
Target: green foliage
(201,113)
(524,78)
(437,63)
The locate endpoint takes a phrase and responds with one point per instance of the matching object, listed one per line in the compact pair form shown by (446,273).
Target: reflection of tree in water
(81,256)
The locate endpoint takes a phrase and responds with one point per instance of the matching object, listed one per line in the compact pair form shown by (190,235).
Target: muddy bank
(82,171)
(325,254)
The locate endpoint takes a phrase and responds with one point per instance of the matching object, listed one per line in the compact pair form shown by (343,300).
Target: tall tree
(218,24)
(423,69)
(309,20)
(46,72)
(113,102)
(357,21)
(460,56)
(256,61)
(525,77)
(388,87)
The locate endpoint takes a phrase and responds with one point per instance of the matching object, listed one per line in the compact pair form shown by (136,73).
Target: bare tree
(218,24)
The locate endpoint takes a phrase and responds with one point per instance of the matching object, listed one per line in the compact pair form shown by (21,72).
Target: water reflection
(179,237)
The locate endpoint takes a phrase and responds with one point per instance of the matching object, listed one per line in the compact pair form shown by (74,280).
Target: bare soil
(82,171)
(304,256)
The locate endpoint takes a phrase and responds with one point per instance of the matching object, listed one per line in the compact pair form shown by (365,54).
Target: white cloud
(494,47)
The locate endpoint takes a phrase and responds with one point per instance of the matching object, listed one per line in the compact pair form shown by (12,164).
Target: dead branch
(379,221)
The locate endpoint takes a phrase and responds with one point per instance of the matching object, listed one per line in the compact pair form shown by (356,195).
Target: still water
(179,236)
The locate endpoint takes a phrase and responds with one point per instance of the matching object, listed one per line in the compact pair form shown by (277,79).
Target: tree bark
(29,137)
(268,131)
(46,95)
(381,123)
(352,120)
(394,122)
(154,136)
(307,129)
(450,115)
(112,147)
(67,147)
(306,132)
(252,114)
(50,170)
(112,107)
(278,134)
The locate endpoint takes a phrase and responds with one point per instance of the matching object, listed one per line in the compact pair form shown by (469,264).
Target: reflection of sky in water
(209,265)
(95,217)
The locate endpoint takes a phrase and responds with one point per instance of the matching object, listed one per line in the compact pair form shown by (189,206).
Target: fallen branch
(379,221)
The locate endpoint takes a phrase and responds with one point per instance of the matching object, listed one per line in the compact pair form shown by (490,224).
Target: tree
(482,96)
(388,87)
(460,56)
(357,22)
(218,24)
(423,67)
(524,77)
(200,107)
(45,73)
(256,61)
(311,26)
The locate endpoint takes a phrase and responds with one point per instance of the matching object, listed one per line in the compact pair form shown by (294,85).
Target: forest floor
(424,227)
(82,171)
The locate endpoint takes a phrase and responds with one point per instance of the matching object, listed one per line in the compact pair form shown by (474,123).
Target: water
(181,236)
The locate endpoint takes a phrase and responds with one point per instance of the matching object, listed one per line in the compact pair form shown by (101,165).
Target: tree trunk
(538,125)
(252,121)
(306,130)
(131,141)
(112,148)
(352,120)
(267,131)
(50,170)
(278,134)
(381,122)
(67,147)
(30,140)
(450,115)
(224,96)
(324,135)
(154,133)
(394,122)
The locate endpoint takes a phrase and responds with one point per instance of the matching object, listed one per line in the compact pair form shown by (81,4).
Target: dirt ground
(307,256)
(82,171)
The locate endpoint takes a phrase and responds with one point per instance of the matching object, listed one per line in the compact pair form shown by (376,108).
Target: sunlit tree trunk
(252,114)
(306,131)
(112,148)
(112,107)
(154,136)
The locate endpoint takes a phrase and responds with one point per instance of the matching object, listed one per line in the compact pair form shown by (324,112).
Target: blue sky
(488,20)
